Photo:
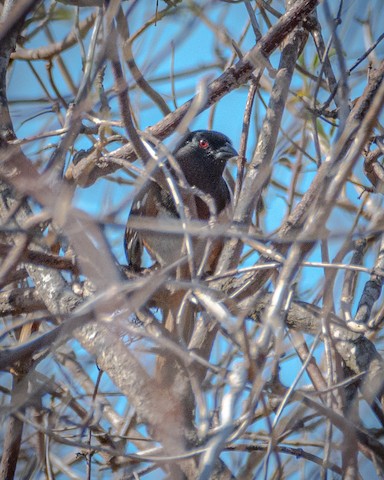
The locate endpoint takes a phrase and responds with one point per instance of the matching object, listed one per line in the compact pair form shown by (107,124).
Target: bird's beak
(227,151)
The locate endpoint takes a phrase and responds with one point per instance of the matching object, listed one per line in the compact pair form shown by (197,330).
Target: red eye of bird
(203,144)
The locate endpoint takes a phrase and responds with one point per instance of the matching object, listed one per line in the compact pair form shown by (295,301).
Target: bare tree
(281,371)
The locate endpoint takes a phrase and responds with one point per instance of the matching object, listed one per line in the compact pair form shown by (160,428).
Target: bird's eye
(203,143)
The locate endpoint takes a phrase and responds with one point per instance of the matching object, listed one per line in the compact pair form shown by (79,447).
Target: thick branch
(20,300)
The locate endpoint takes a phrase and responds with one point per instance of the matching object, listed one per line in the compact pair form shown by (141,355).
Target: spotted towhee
(202,156)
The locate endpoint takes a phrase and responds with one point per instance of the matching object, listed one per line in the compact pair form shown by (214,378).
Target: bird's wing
(151,202)
(133,245)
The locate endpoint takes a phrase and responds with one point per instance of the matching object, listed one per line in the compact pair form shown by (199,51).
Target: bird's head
(204,152)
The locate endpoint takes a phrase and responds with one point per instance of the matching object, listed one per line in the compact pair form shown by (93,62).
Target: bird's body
(201,156)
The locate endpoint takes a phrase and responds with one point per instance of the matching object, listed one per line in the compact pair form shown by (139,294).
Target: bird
(202,156)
